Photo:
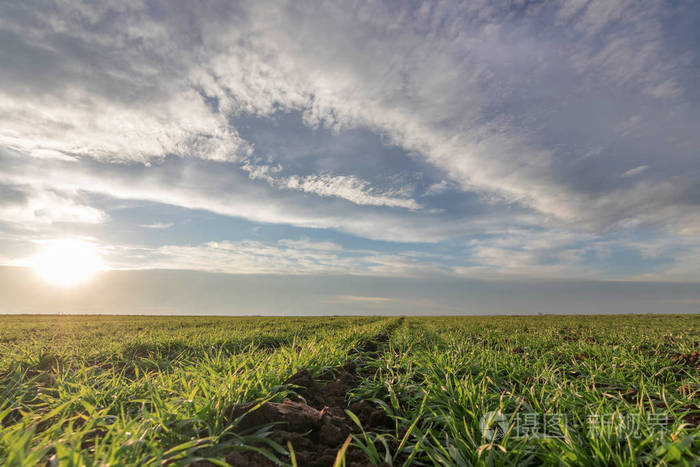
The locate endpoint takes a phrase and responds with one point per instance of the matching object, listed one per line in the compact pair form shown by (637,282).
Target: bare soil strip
(314,420)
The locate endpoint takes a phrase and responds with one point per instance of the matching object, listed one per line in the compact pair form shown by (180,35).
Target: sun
(67,262)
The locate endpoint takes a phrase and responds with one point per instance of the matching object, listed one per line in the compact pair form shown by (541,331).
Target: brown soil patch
(693,419)
(630,395)
(313,420)
(690,359)
(579,357)
(693,416)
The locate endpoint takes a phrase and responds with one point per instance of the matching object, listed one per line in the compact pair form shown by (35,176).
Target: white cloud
(491,101)
(88,125)
(432,100)
(426,88)
(41,208)
(635,171)
(256,257)
(221,190)
(438,188)
(305,243)
(348,187)
(632,51)
(158,225)
(531,253)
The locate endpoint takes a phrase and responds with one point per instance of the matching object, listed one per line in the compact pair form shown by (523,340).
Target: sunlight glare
(67,262)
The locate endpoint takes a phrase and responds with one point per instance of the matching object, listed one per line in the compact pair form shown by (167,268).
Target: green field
(564,390)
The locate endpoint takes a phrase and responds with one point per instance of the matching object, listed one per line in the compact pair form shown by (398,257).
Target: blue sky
(408,141)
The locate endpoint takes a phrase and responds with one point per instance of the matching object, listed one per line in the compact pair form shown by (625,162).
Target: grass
(613,390)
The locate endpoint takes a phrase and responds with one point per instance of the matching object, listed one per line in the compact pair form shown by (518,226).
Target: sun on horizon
(67,262)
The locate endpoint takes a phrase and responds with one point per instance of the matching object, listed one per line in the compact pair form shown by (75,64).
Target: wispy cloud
(158,225)
(635,171)
(348,187)
(537,126)
(285,256)
(24,206)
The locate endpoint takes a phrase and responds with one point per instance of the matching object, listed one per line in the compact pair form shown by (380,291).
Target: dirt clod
(630,395)
(292,416)
(313,419)
(579,357)
(689,359)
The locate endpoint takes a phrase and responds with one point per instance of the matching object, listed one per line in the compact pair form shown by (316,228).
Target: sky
(295,157)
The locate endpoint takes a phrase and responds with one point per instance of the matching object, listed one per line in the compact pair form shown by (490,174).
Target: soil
(693,416)
(693,419)
(314,420)
(690,359)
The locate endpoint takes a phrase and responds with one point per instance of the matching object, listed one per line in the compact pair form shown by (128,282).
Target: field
(564,390)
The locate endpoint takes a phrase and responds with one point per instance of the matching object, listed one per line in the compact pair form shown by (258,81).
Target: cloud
(518,117)
(86,125)
(306,244)
(158,225)
(286,256)
(67,91)
(438,188)
(221,189)
(452,98)
(635,171)
(24,207)
(348,187)
(531,253)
